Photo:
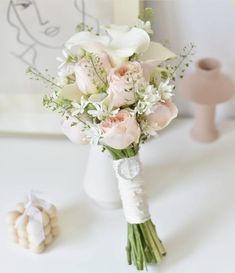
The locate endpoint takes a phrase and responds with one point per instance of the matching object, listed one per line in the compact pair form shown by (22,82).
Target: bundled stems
(143,244)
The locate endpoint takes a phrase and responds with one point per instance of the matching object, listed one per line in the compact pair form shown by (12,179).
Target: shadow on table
(215,206)
(177,171)
(75,222)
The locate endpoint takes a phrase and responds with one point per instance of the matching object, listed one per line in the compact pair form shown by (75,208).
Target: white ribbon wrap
(35,224)
(131,187)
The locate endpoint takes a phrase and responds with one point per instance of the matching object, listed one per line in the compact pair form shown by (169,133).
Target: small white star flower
(148,97)
(102,110)
(93,133)
(79,107)
(145,26)
(165,90)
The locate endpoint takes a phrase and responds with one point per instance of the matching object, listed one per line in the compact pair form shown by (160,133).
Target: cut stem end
(144,246)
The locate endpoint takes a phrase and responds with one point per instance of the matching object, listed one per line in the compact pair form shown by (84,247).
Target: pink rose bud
(91,73)
(120,130)
(163,114)
(124,81)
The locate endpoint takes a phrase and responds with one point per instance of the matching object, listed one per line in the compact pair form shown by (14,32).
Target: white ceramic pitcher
(100,182)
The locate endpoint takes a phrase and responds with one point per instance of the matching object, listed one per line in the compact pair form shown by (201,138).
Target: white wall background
(210,24)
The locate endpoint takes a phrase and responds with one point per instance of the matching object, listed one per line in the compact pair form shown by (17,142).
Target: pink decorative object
(206,87)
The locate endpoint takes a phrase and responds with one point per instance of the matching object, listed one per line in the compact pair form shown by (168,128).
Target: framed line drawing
(33,33)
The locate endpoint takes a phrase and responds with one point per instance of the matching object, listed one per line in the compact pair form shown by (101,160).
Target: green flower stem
(95,70)
(148,252)
(125,153)
(158,243)
(39,75)
(128,247)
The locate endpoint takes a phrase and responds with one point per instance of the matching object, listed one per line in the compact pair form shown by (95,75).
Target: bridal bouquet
(113,90)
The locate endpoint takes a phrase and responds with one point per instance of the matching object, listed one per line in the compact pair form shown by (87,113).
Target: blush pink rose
(124,81)
(74,133)
(163,114)
(121,130)
(86,75)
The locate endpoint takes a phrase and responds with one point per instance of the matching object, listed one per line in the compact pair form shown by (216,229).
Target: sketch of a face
(41,30)
(46,23)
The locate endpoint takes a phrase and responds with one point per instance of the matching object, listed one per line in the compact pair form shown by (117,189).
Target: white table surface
(192,199)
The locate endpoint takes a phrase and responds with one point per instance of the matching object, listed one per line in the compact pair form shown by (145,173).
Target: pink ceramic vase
(206,87)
